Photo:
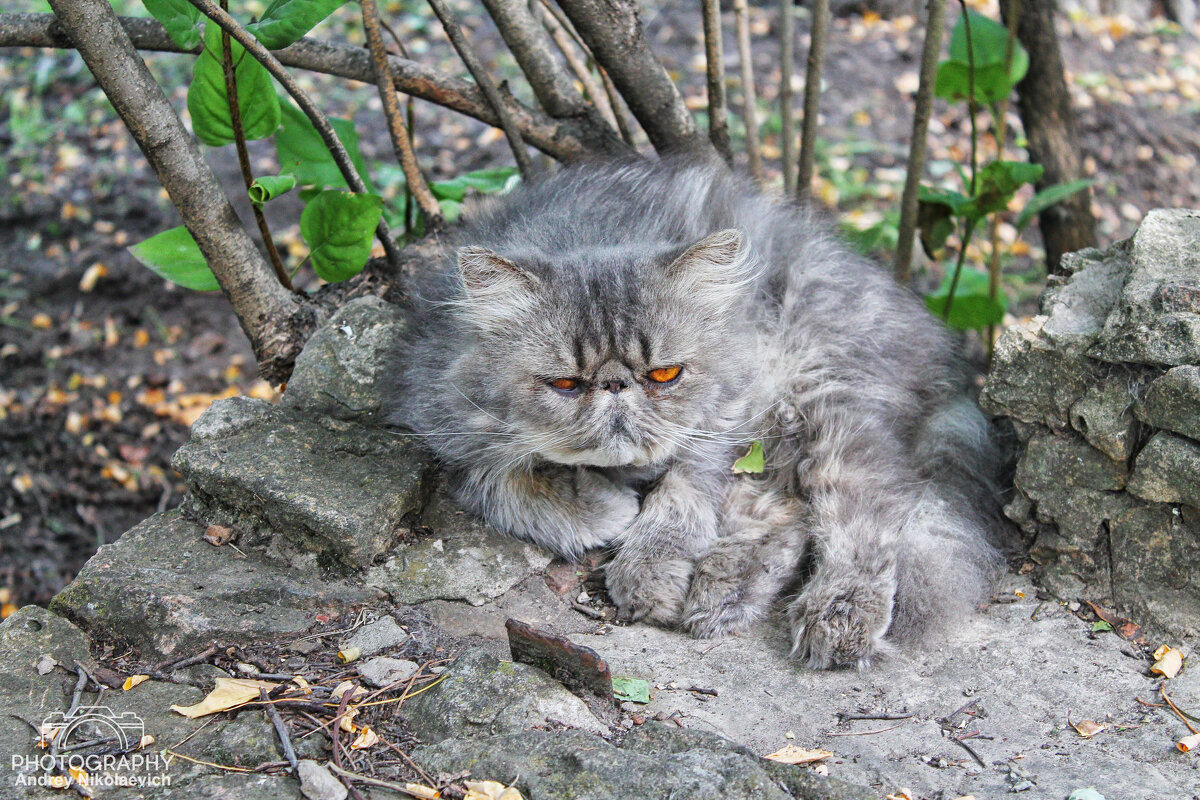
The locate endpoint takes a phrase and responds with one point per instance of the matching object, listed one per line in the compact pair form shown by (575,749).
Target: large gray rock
(1155,321)
(482,695)
(1077,310)
(1104,416)
(166,591)
(1155,550)
(344,491)
(1167,470)
(344,368)
(1172,402)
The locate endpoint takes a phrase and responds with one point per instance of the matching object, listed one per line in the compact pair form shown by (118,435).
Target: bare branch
(934,27)
(741,17)
(275,320)
(529,45)
(395,119)
(320,122)
(612,30)
(787,68)
(714,70)
(484,81)
(618,106)
(565,139)
(562,39)
(812,97)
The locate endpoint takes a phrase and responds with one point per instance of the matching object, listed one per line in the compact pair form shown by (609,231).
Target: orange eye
(665,374)
(565,384)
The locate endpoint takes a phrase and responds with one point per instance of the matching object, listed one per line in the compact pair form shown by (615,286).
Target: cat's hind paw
(718,605)
(645,588)
(836,625)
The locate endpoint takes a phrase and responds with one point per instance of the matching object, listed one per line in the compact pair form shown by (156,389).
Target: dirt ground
(103,366)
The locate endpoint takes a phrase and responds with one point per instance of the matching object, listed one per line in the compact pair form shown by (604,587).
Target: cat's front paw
(608,510)
(840,623)
(718,602)
(646,587)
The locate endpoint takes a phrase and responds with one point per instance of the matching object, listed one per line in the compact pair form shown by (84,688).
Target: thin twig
(591,86)
(401,140)
(787,66)
(922,110)
(968,224)
(316,116)
(845,717)
(714,67)
(280,729)
(335,734)
(741,18)
(1163,691)
(812,98)
(618,107)
(234,101)
(172,664)
(587,611)
(969,749)
(484,81)
(864,733)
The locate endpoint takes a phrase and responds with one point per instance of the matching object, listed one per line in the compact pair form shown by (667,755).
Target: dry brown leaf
(1168,661)
(228,693)
(366,738)
(490,790)
(218,535)
(1089,728)
(145,741)
(422,792)
(903,794)
(791,754)
(132,681)
(1125,628)
(349,655)
(346,722)
(346,686)
(1188,743)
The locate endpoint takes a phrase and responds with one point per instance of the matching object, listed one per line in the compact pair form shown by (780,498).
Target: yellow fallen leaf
(346,686)
(303,684)
(791,754)
(1088,728)
(79,775)
(903,794)
(366,738)
(7,610)
(490,790)
(422,792)
(346,722)
(349,654)
(58,781)
(1168,661)
(228,693)
(41,320)
(132,681)
(145,742)
(1188,743)
(92,274)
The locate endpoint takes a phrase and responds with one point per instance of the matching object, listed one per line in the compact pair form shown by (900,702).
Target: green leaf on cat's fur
(753,461)
(635,690)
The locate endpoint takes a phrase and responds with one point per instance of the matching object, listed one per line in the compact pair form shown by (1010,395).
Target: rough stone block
(1156,567)
(1076,310)
(344,492)
(1167,470)
(343,368)
(1154,322)
(1065,460)
(1173,402)
(1104,416)
(1032,381)
(166,591)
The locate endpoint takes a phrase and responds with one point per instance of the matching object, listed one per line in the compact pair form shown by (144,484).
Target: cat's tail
(950,559)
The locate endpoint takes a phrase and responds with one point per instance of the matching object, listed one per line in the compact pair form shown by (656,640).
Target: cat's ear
(714,268)
(497,289)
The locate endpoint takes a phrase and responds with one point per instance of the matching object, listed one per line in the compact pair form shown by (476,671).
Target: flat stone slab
(345,491)
(166,591)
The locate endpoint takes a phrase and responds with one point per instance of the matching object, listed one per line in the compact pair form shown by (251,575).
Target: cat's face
(624,361)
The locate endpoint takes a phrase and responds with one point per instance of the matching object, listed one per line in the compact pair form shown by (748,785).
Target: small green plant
(337,224)
(985,63)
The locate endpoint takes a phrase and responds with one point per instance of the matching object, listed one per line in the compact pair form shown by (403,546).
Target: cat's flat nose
(616,386)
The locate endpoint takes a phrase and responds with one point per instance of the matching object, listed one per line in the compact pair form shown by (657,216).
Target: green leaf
(1100,626)
(174,255)
(208,101)
(486,181)
(634,690)
(989,39)
(179,17)
(339,228)
(268,187)
(753,461)
(1048,197)
(972,309)
(302,152)
(286,21)
(999,181)
(937,210)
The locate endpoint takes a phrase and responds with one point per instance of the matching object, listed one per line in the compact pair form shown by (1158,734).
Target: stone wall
(1103,390)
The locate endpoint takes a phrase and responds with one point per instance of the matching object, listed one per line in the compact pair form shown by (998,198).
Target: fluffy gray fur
(877,480)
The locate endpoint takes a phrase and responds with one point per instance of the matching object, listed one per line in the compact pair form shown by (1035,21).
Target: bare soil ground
(103,365)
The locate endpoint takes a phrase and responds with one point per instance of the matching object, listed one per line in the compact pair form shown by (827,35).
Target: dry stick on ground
(275,320)
(613,32)
(812,98)
(935,22)
(314,114)
(486,85)
(787,65)
(562,39)
(401,141)
(280,729)
(741,18)
(714,70)
(564,139)
(1045,107)
(233,100)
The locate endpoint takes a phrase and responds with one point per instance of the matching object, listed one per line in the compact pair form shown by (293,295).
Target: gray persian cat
(612,340)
